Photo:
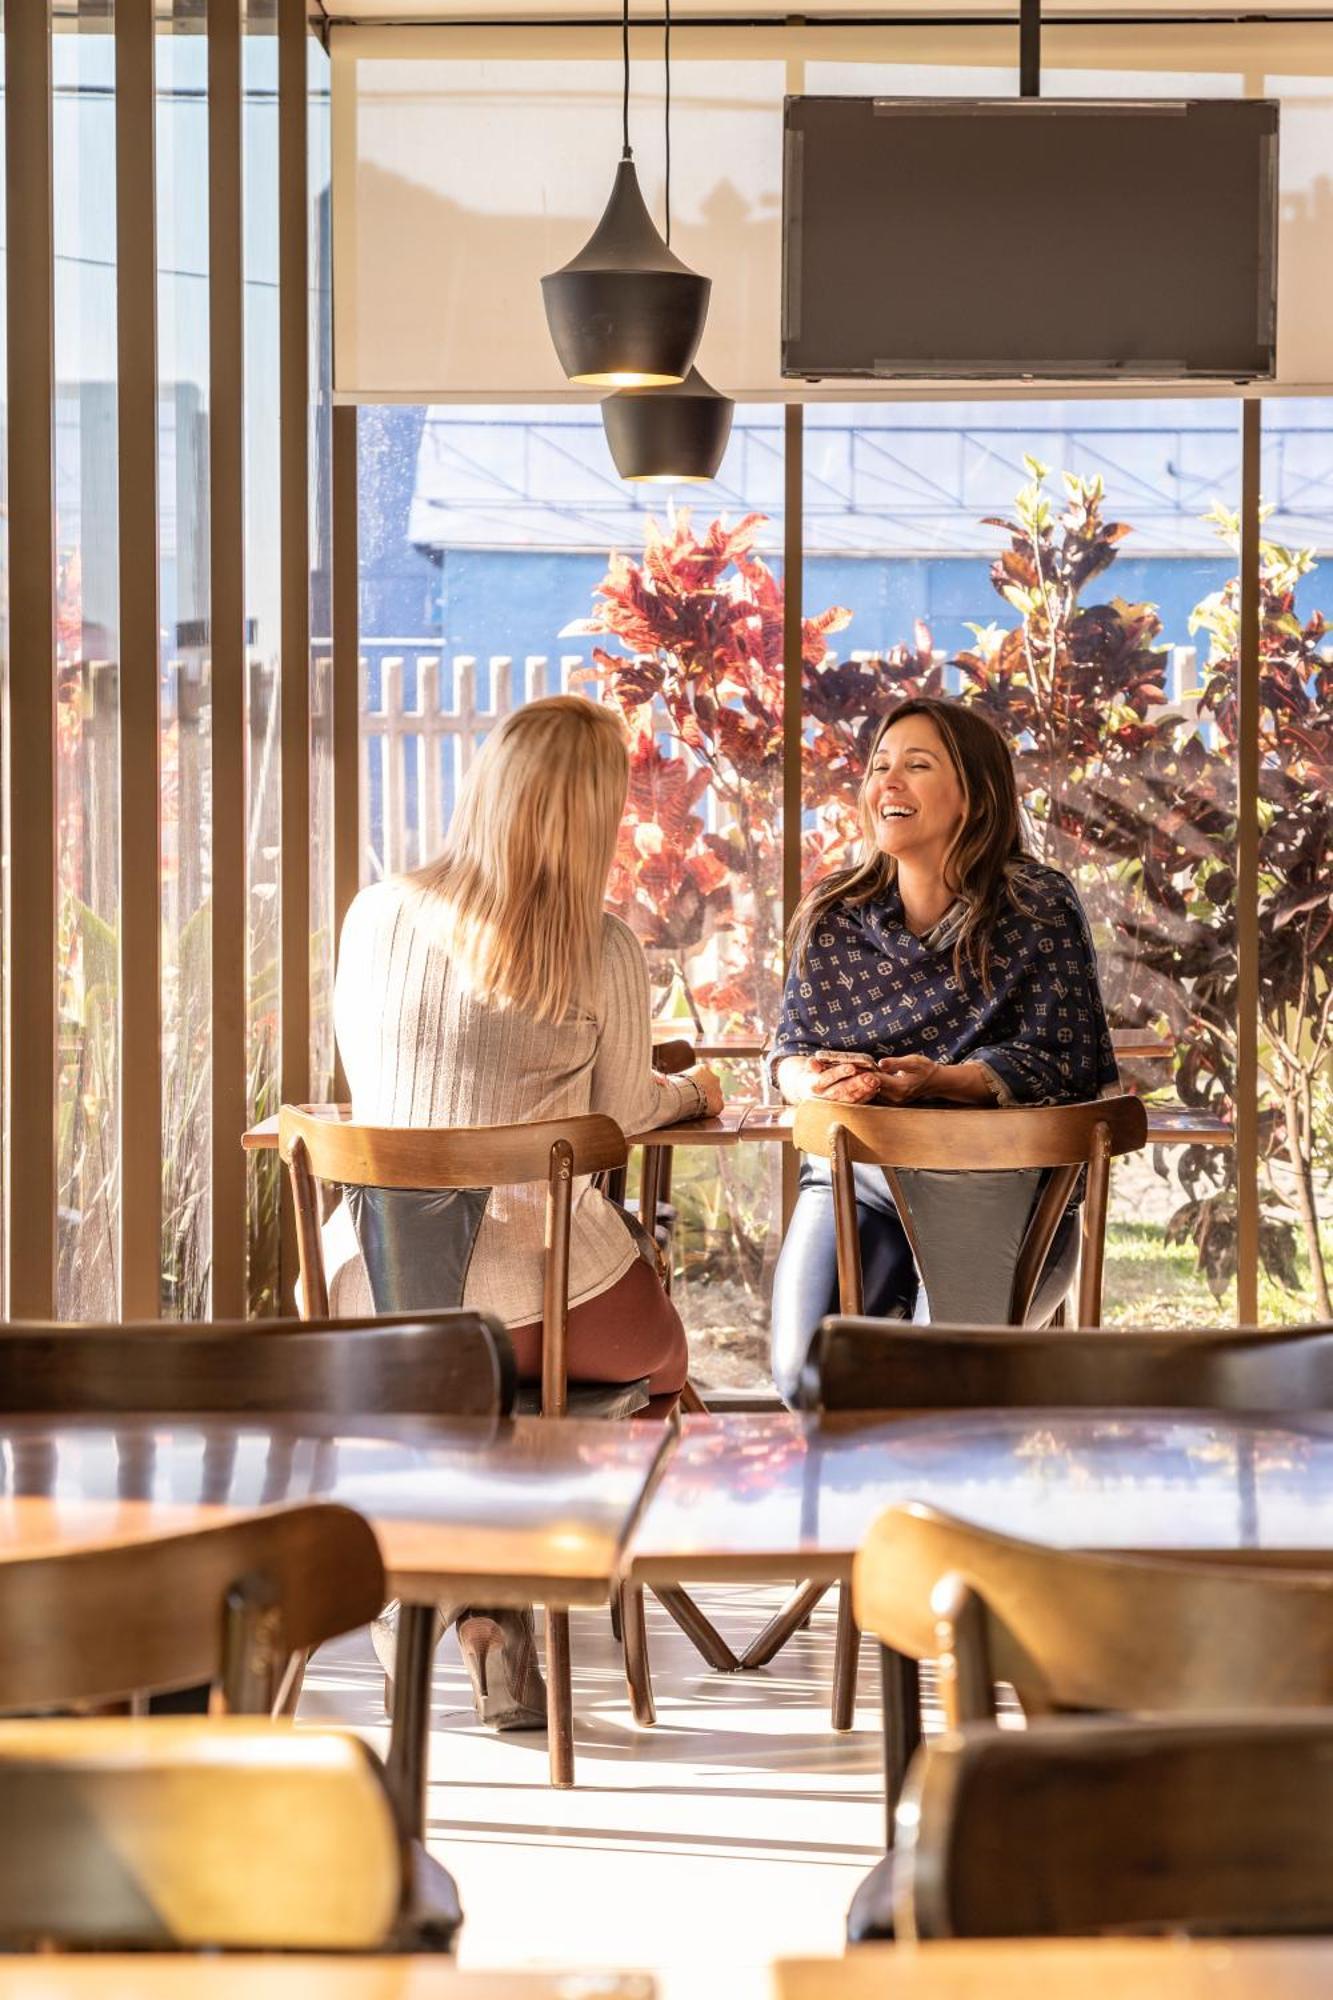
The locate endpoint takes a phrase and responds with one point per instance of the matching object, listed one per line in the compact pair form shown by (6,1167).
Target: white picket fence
(424,715)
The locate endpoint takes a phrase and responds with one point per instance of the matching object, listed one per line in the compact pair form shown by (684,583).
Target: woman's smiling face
(913,793)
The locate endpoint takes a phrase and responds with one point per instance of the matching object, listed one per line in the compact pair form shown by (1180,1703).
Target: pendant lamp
(675,435)
(625,313)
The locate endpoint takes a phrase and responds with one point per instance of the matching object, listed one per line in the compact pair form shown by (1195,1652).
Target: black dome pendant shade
(674,436)
(625,312)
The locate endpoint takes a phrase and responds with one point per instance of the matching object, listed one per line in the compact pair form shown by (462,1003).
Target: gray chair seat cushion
(588,1399)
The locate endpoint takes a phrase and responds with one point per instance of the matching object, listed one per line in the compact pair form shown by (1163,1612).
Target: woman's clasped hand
(852,1079)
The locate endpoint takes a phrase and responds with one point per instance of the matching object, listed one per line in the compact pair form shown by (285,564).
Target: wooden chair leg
(617,1618)
(900,1695)
(691,1401)
(783,1625)
(846,1657)
(405,1766)
(698,1629)
(559,1699)
(293,1680)
(637,1675)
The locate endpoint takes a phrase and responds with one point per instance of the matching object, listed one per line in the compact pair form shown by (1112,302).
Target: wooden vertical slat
(226,327)
(294,480)
(346,680)
(793,586)
(32,778)
(140,801)
(1247,875)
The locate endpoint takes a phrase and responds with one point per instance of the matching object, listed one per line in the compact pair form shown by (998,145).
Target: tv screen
(1030,239)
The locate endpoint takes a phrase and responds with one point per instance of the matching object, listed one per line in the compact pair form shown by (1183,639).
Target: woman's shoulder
(1043,890)
(620,943)
(378,906)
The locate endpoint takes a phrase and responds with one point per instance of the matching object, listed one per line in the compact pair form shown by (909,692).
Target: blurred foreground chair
(417,1198)
(1217,1828)
(1070,1631)
(238,1606)
(190,1834)
(983,1196)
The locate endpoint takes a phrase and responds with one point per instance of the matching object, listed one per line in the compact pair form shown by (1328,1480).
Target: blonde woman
(492,988)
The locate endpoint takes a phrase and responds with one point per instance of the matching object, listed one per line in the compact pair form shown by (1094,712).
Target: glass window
(87,665)
(263,614)
(186,681)
(501,559)
(1051,563)
(321,579)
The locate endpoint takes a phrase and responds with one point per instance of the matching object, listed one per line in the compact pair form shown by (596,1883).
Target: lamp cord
(666,56)
(625,152)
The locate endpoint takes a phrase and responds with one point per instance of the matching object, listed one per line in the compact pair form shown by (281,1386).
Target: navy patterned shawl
(869,985)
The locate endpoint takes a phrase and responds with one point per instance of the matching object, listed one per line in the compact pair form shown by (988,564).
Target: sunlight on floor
(733,1833)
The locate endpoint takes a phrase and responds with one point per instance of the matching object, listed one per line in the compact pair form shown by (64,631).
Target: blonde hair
(520,886)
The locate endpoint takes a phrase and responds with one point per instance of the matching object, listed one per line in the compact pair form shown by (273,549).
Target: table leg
(900,1685)
(409,1736)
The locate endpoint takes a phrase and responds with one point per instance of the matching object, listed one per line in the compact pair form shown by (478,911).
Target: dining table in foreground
(1058,1969)
(480,1510)
(247,1976)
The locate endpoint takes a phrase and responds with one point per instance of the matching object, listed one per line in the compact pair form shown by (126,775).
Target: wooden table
(1047,1969)
(166,1976)
(751,1497)
(744,1119)
(495,1512)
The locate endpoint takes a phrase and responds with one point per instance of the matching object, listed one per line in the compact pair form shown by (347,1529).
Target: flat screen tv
(1029,239)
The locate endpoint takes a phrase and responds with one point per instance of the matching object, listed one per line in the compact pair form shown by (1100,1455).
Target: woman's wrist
(963,1083)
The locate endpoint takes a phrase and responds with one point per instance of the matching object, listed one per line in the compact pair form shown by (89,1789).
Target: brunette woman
(492,988)
(944,965)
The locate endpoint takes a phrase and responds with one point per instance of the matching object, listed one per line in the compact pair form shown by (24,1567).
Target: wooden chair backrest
(319,1149)
(1062,1139)
(1075,1631)
(869,1364)
(228,1604)
(452,1363)
(183,1834)
(1217,1827)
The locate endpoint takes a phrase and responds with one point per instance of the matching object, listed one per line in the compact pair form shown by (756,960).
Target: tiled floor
(732,1833)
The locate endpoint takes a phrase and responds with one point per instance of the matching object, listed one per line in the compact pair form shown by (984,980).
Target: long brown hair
(986,857)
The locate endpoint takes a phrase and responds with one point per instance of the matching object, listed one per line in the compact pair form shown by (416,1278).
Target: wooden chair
(457,1364)
(885,1365)
(193,1834)
(231,1605)
(326,1371)
(1070,1631)
(1018,1170)
(1216,1827)
(418,1256)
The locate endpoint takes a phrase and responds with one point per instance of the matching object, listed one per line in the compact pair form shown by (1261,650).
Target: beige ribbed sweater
(420,1049)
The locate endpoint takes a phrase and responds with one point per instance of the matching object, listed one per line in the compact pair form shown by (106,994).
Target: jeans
(805,1285)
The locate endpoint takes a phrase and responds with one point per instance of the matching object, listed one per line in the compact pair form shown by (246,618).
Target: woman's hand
(843,1080)
(903,1079)
(709,1087)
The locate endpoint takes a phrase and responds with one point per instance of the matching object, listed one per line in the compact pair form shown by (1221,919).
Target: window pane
(321,577)
(186,686)
(1295,859)
(499,557)
(87,665)
(1050,563)
(263,607)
